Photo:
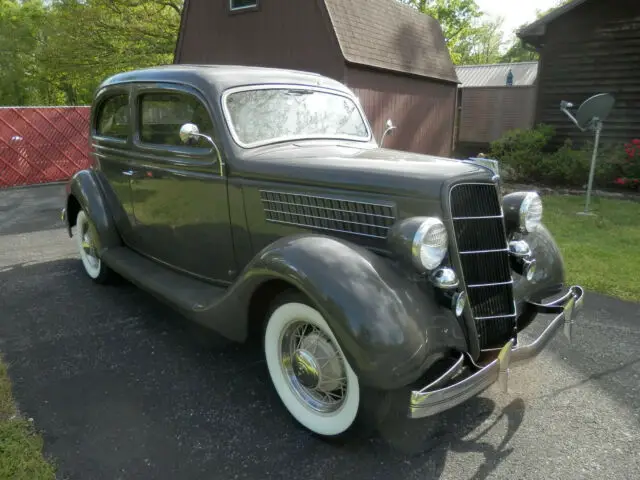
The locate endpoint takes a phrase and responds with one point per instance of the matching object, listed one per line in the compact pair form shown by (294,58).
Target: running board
(182,292)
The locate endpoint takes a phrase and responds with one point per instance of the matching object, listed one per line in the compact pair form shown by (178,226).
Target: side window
(113,117)
(162,115)
(238,5)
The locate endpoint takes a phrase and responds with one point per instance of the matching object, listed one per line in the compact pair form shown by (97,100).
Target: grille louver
(370,220)
(481,242)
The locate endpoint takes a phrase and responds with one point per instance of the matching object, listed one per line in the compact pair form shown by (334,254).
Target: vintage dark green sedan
(258,202)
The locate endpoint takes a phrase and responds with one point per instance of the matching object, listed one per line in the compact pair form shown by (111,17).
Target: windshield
(267,115)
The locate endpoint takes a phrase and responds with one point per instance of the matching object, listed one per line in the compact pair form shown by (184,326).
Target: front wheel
(310,371)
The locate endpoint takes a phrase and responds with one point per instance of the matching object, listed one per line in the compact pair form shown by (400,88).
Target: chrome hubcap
(306,369)
(88,245)
(314,367)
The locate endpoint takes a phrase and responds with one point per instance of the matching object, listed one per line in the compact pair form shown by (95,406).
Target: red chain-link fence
(42,144)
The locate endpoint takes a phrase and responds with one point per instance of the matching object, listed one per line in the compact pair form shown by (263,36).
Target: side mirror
(390,127)
(189,132)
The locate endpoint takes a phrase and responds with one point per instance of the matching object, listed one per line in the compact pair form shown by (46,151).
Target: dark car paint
(373,171)
(388,347)
(549,277)
(390,330)
(85,187)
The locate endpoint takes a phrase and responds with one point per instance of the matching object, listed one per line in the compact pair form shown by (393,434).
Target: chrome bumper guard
(432,400)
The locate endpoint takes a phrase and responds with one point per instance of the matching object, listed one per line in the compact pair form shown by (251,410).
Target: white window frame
(239,9)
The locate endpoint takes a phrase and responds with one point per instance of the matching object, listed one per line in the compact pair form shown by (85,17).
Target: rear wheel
(87,247)
(311,374)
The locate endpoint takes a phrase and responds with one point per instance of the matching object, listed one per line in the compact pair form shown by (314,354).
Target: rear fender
(389,327)
(84,188)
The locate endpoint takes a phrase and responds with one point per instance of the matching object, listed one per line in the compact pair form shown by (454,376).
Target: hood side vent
(333,214)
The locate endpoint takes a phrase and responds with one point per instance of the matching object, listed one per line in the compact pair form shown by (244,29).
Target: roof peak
(537,28)
(388,35)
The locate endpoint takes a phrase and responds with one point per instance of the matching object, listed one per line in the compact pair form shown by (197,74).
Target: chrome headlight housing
(429,245)
(522,211)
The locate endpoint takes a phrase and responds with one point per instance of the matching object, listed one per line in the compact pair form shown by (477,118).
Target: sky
(515,12)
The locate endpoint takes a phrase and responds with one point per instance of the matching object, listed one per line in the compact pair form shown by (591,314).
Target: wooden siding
(594,48)
(280,34)
(487,113)
(422,110)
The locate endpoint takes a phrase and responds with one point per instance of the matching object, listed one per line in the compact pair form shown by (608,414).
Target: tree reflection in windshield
(275,114)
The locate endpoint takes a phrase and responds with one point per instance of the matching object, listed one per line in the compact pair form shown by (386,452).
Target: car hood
(371,169)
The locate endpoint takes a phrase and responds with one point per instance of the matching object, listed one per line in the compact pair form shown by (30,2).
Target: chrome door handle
(128,173)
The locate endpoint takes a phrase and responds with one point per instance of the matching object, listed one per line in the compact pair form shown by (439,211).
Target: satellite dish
(591,115)
(599,106)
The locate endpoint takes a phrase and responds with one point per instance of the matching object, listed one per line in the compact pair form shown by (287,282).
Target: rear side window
(113,117)
(162,115)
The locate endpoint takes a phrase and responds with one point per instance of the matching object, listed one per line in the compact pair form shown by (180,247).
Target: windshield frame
(288,138)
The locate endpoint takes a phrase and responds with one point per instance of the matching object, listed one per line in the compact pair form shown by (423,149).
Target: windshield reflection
(267,115)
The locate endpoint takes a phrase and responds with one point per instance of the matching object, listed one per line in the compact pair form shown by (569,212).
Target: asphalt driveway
(123,388)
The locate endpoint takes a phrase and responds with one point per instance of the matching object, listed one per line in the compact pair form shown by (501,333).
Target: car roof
(222,77)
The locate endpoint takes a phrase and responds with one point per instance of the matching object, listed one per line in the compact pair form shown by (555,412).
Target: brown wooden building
(393,57)
(489,105)
(588,47)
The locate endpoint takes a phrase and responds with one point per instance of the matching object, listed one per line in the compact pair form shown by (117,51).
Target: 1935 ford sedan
(257,202)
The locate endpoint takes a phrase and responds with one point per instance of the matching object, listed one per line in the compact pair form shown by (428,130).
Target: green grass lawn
(20,447)
(601,253)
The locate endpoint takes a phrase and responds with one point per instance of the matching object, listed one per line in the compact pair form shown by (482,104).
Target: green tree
(21,24)
(458,19)
(58,51)
(92,39)
(519,51)
(483,45)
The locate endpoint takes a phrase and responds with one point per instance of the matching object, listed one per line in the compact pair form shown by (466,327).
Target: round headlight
(429,244)
(530,212)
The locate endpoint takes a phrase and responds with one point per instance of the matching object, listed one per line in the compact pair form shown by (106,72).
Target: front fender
(390,328)
(549,277)
(84,186)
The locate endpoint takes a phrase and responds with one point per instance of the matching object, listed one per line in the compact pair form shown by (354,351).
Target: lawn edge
(20,443)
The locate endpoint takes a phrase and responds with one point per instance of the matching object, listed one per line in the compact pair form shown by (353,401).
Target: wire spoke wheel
(308,369)
(313,366)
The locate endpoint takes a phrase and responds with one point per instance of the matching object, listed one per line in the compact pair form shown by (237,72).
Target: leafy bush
(524,156)
(522,151)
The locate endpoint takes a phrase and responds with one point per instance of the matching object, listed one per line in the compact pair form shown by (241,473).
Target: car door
(179,191)
(110,144)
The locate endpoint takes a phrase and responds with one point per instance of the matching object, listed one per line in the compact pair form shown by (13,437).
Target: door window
(163,113)
(113,117)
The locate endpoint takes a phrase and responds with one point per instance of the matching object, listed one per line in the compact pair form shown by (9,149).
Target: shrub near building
(525,157)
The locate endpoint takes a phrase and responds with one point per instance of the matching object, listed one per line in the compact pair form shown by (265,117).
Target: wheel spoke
(314,367)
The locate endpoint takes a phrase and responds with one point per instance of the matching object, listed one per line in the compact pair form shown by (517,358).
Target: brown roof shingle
(389,35)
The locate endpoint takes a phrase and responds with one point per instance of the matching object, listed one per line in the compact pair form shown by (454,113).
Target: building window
(113,118)
(162,115)
(241,5)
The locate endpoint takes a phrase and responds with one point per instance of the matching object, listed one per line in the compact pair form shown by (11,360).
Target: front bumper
(434,398)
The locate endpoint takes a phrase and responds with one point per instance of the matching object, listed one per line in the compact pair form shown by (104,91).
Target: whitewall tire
(308,369)
(86,242)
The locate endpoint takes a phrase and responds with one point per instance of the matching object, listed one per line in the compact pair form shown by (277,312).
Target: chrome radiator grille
(363,219)
(481,242)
